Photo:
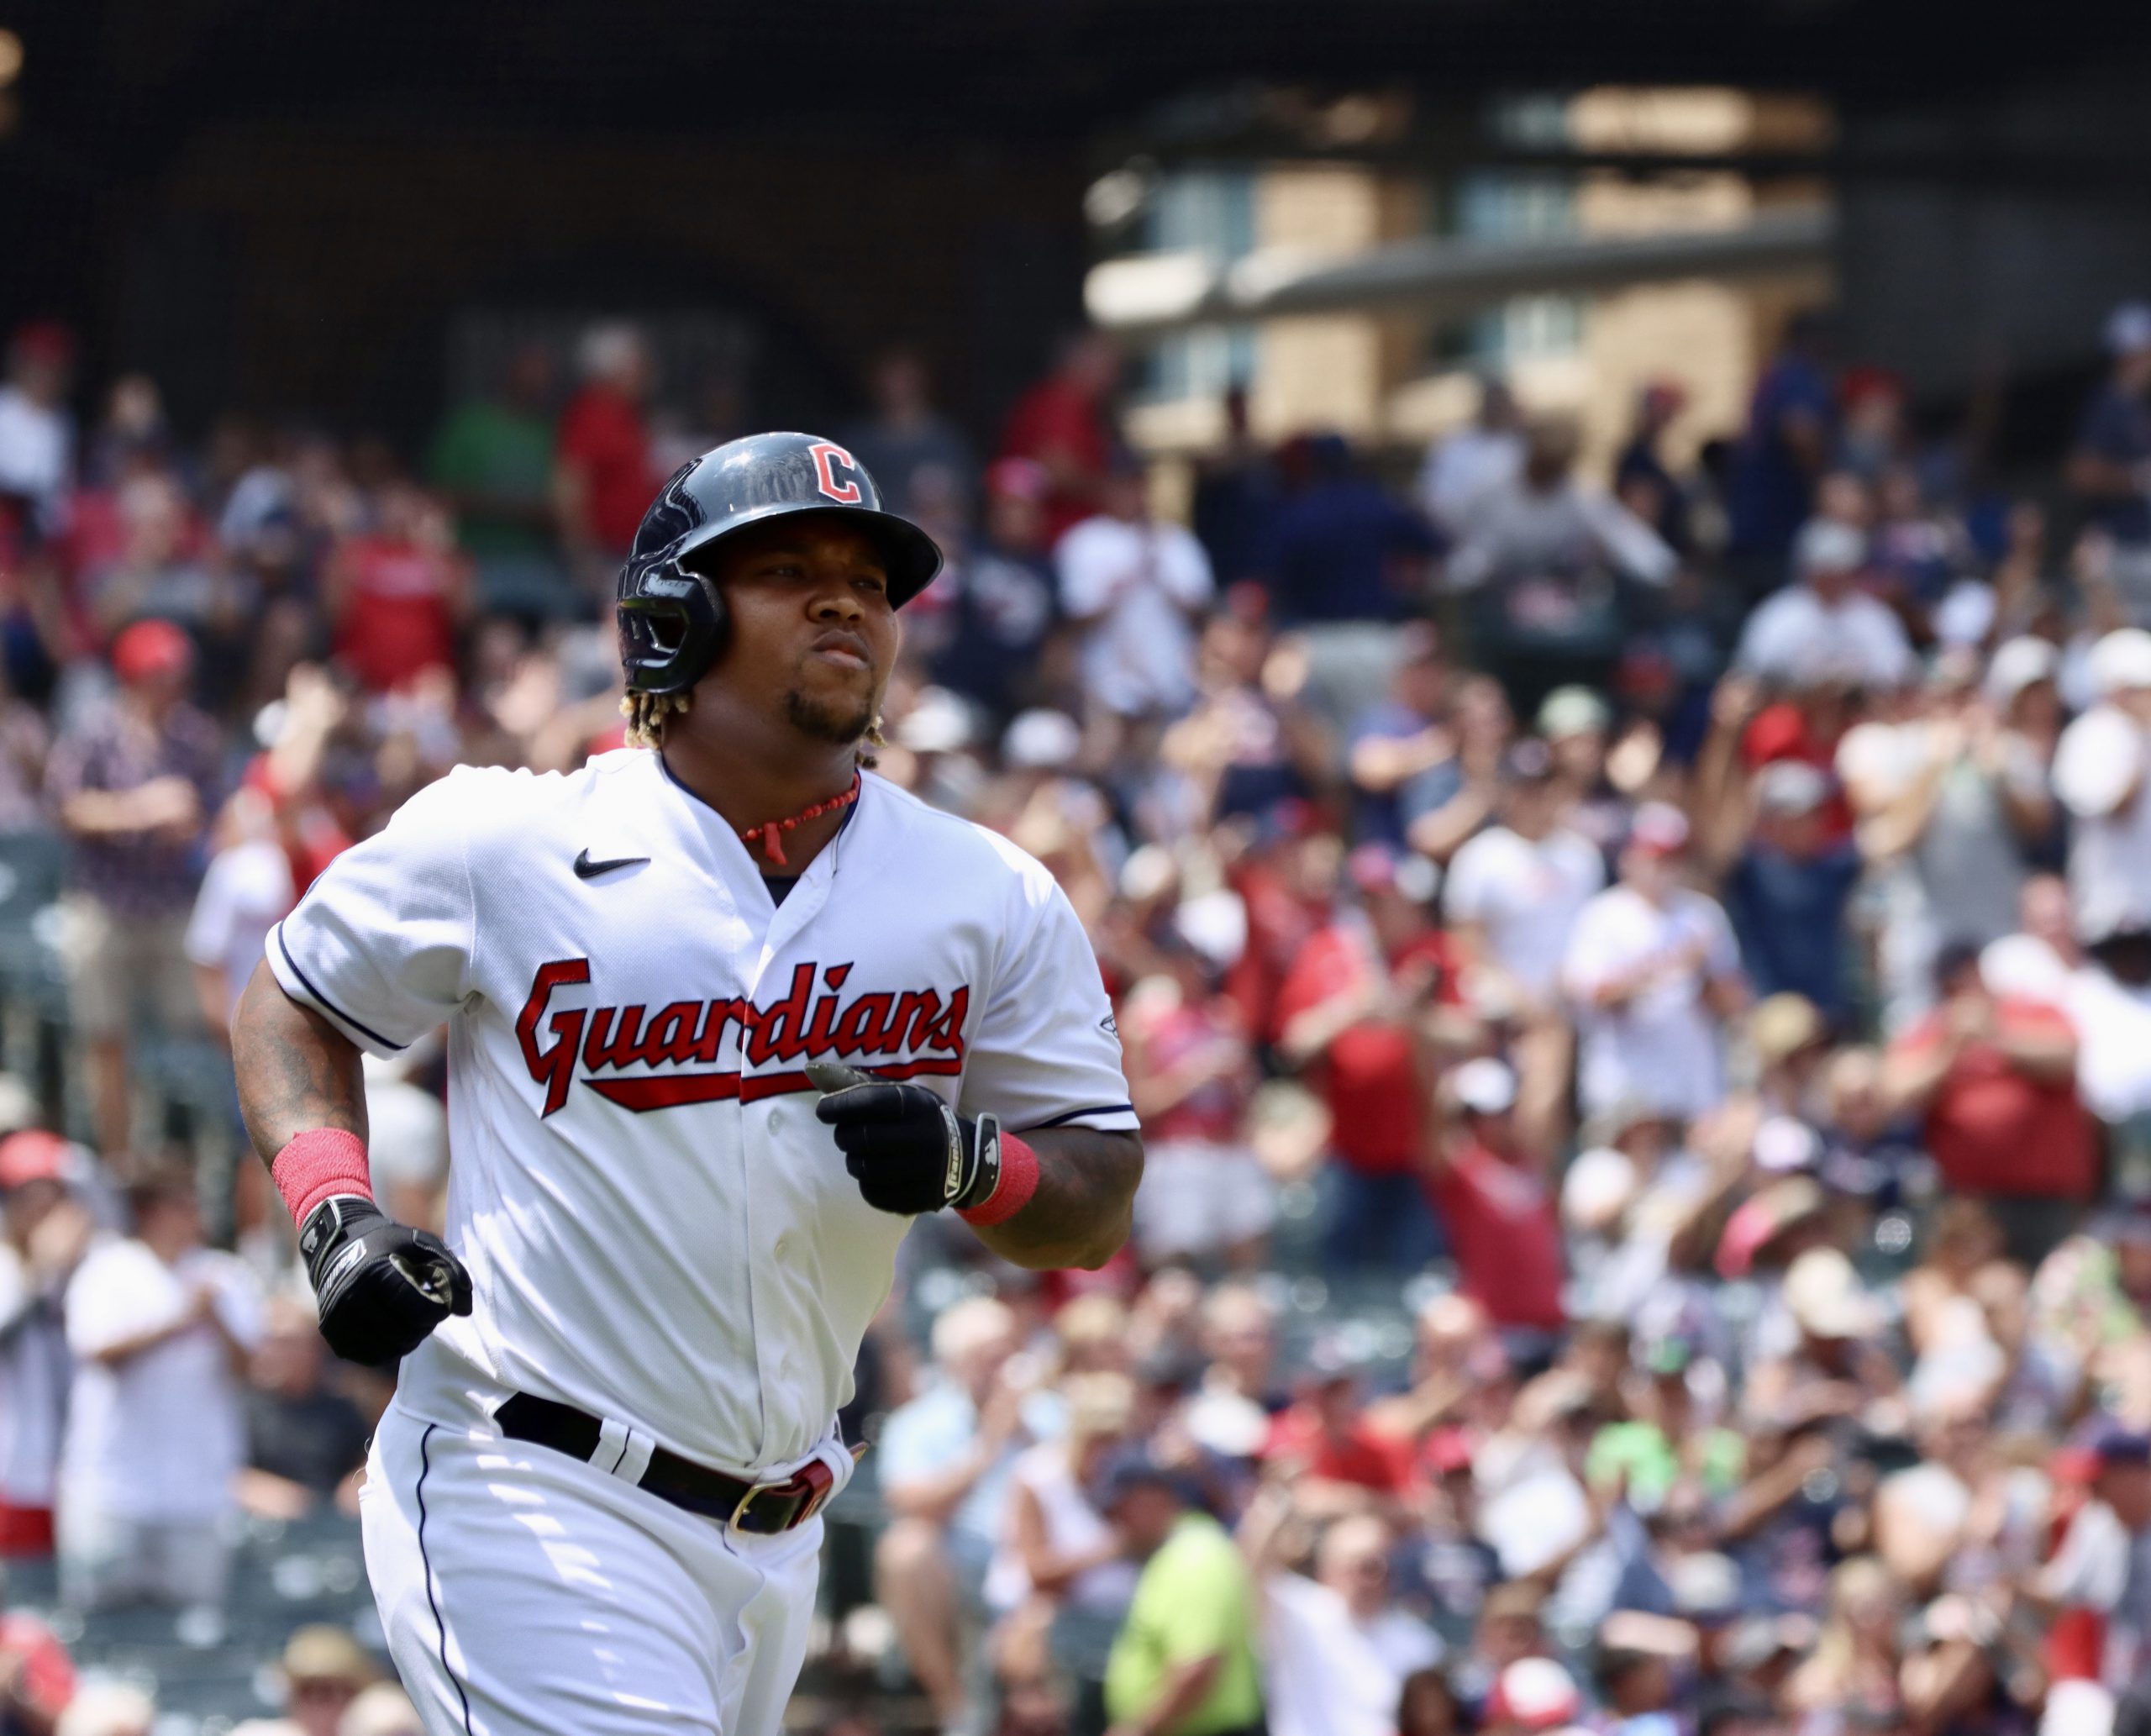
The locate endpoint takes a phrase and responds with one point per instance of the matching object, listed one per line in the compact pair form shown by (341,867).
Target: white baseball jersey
(657,1227)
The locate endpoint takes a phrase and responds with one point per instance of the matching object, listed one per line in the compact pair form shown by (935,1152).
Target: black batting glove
(908,1151)
(380,1286)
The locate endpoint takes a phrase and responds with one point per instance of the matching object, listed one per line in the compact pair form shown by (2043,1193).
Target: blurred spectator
(1789,440)
(160,1327)
(108,1709)
(1236,498)
(1545,556)
(1491,1186)
(1327,1444)
(37,1678)
(1515,890)
(604,475)
(1185,1664)
(44,1230)
(2109,469)
(1823,620)
(2102,773)
(493,461)
(946,1460)
(1357,1014)
(1063,423)
(1653,969)
(324,1672)
(1462,468)
(1642,481)
(1996,1081)
(1342,548)
(246,891)
(131,785)
(1190,1073)
(37,436)
(1339,1646)
(1133,584)
(1005,599)
(395,595)
(1399,745)
(306,1443)
(905,434)
(1789,891)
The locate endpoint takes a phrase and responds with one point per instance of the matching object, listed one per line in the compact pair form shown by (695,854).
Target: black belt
(760,1509)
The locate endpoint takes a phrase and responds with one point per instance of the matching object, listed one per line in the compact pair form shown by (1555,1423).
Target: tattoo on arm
(296,1071)
(1085,1202)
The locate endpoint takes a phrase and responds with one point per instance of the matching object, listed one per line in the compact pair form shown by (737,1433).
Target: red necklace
(770,836)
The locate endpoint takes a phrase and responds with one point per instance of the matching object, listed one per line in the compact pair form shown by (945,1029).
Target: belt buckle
(743,1514)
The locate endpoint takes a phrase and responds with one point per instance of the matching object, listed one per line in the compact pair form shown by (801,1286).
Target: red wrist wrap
(1019,1181)
(318,1165)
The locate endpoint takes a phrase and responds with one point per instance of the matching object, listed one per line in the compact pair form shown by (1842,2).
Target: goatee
(824,720)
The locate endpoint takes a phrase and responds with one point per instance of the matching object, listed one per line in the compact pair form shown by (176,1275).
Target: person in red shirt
(605,475)
(1503,1227)
(1064,423)
(1996,1078)
(1354,1015)
(397,594)
(1323,1440)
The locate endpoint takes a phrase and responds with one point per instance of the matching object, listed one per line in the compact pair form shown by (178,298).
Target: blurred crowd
(1637,980)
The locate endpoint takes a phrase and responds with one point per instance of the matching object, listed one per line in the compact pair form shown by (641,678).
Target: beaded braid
(646,713)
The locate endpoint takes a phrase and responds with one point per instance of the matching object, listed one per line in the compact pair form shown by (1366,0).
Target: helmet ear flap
(672,625)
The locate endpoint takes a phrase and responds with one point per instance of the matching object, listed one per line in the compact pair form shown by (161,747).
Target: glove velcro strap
(1012,1191)
(319,1165)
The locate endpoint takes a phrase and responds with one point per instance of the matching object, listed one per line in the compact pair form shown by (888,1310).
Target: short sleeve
(382,943)
(115,1296)
(2099,760)
(1721,955)
(209,929)
(1048,1051)
(1473,874)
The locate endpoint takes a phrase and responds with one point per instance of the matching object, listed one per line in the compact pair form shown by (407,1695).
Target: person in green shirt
(1184,1664)
(493,458)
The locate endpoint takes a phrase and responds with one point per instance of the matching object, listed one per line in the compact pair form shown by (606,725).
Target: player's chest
(676,997)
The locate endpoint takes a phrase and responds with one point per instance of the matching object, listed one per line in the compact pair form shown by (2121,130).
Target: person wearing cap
(1823,617)
(132,785)
(2095,1590)
(1185,1662)
(1994,1078)
(324,1669)
(2109,467)
(1133,585)
(1363,994)
(1003,598)
(1343,550)
(1652,970)
(1064,423)
(1789,888)
(605,470)
(1787,446)
(2102,772)
(1489,1183)
(45,1231)
(37,436)
(1515,890)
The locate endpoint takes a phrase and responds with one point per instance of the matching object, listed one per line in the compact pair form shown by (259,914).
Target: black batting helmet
(671,615)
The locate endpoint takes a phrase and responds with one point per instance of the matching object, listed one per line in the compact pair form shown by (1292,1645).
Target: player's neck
(754,782)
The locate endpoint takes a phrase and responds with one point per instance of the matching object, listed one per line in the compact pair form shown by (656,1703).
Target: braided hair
(646,713)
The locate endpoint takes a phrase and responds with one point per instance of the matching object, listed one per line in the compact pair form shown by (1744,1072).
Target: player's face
(813,634)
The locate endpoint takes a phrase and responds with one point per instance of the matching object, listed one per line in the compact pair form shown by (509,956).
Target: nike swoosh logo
(585,869)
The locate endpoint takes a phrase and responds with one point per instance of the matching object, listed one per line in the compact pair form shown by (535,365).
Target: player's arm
(1084,1203)
(381,1287)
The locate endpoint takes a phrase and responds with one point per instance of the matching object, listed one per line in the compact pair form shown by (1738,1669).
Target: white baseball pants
(526,1593)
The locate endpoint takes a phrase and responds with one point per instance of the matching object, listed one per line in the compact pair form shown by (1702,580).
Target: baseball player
(725,1013)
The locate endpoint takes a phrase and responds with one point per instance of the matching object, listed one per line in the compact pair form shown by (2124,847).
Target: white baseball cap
(2018,664)
(1828,545)
(2121,660)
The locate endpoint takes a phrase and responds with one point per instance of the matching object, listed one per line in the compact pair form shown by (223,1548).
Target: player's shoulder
(955,850)
(481,798)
